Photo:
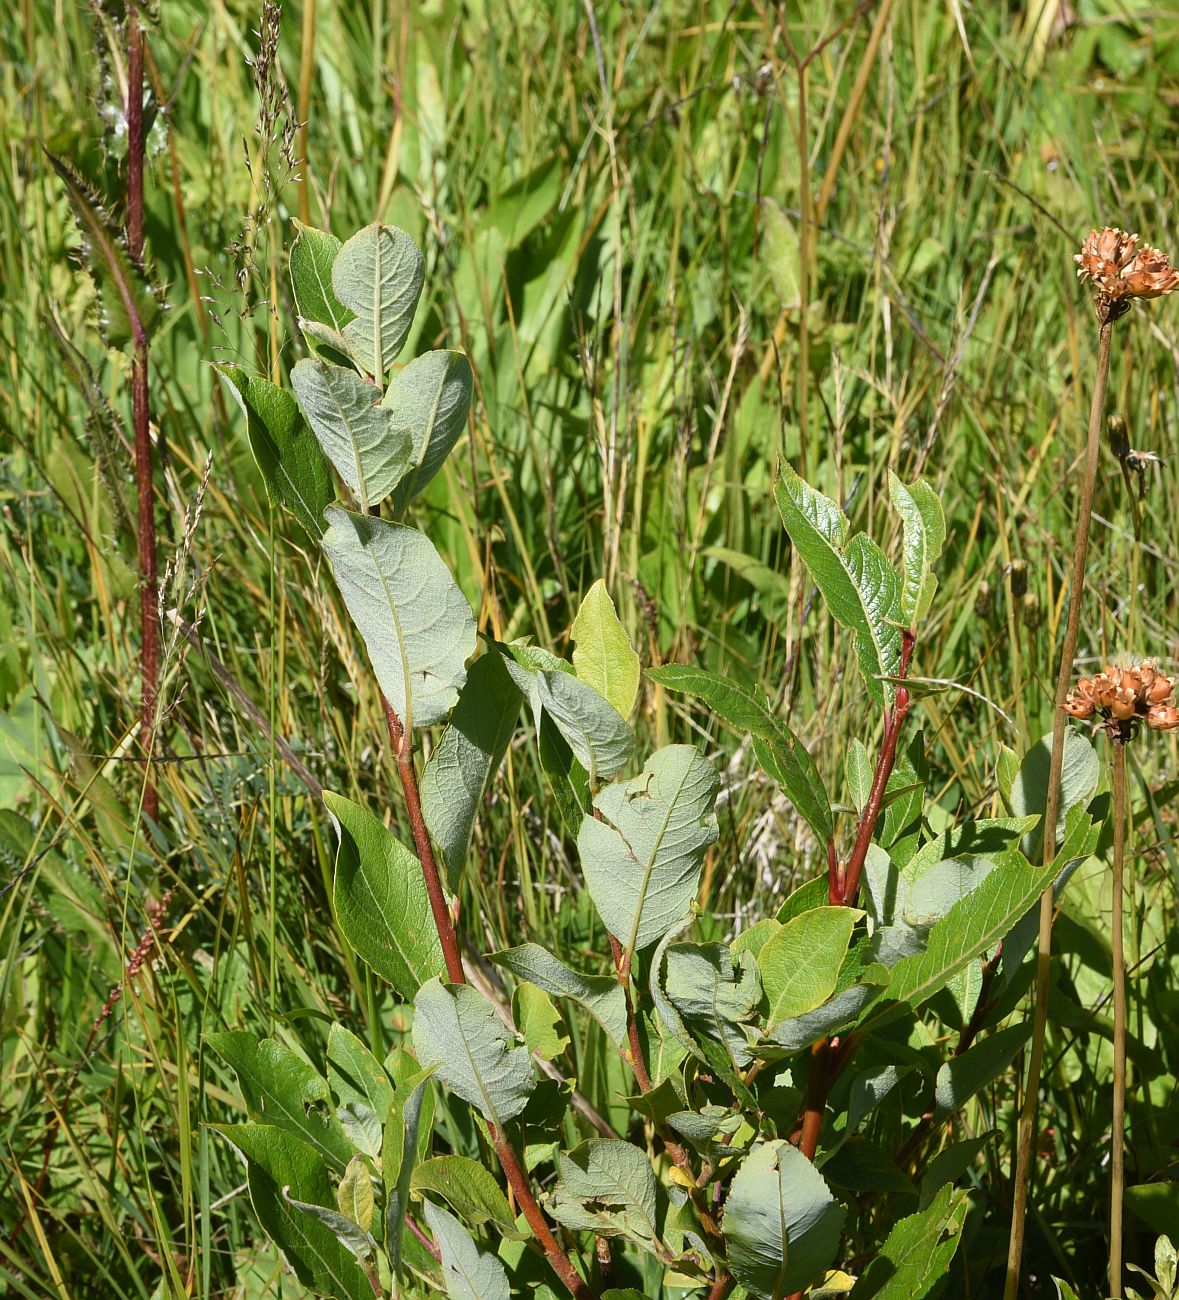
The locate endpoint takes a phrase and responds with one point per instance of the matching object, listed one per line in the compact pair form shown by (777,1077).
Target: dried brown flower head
(1123,698)
(1120,270)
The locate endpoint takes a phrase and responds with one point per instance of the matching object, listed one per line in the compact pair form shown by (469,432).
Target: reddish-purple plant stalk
(149,626)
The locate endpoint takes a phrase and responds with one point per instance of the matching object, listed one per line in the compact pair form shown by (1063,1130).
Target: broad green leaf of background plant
(600,995)
(282,1089)
(357,433)
(381,901)
(428,400)
(456,1029)
(714,996)
(781,1222)
(466,759)
(1080,774)
(378,274)
(642,860)
(312,256)
(961,1077)
(917,1251)
(277,1160)
(924,528)
(603,656)
(410,1117)
(861,588)
(800,963)
(285,450)
(469,1273)
(471,1190)
(416,623)
(778,749)
(606,1186)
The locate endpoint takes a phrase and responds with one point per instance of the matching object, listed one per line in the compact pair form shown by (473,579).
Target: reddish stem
(149,627)
(636,1061)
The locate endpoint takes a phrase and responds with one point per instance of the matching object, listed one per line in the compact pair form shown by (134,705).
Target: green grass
(615,246)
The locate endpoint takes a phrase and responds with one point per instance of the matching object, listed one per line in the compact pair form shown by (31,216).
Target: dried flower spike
(1123,698)
(1120,270)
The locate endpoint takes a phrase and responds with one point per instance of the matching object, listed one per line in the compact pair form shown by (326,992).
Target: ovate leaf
(378,275)
(714,996)
(358,435)
(429,400)
(924,527)
(859,585)
(381,900)
(354,1195)
(642,860)
(917,1252)
(470,1188)
(456,1029)
(312,255)
(606,1186)
(602,653)
(280,1165)
(282,1089)
(466,759)
(285,450)
(600,995)
(781,1222)
(800,963)
(416,623)
(469,1273)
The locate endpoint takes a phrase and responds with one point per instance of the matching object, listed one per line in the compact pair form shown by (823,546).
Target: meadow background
(678,242)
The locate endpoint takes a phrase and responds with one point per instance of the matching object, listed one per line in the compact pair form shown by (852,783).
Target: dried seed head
(1119,435)
(1123,697)
(1163,717)
(983,602)
(1079,706)
(1119,270)
(1150,274)
(1033,614)
(1019,577)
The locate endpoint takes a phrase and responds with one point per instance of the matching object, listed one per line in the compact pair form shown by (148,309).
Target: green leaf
(410,1117)
(781,1222)
(429,400)
(355,1239)
(600,995)
(924,527)
(416,623)
(594,730)
(378,274)
(602,653)
(285,450)
(278,1162)
(800,963)
(355,1074)
(466,759)
(714,997)
(782,255)
(567,780)
(859,585)
(456,1029)
(471,1190)
(354,1195)
(1080,774)
(539,1021)
(469,1274)
(950,1164)
(979,1066)
(381,901)
(778,749)
(358,434)
(311,258)
(282,1089)
(859,770)
(606,1186)
(929,896)
(916,1254)
(972,926)
(128,308)
(642,860)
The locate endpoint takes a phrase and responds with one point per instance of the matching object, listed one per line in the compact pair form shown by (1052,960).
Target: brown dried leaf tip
(1124,698)
(1120,270)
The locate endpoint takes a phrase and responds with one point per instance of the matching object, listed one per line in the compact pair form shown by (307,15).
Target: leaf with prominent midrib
(277,1162)
(781,1222)
(355,1074)
(861,588)
(600,995)
(468,1272)
(602,653)
(378,274)
(714,996)
(778,749)
(606,1186)
(285,449)
(381,900)
(642,860)
(429,400)
(416,623)
(471,1190)
(917,1251)
(800,963)
(456,1029)
(466,759)
(924,527)
(322,316)
(357,433)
